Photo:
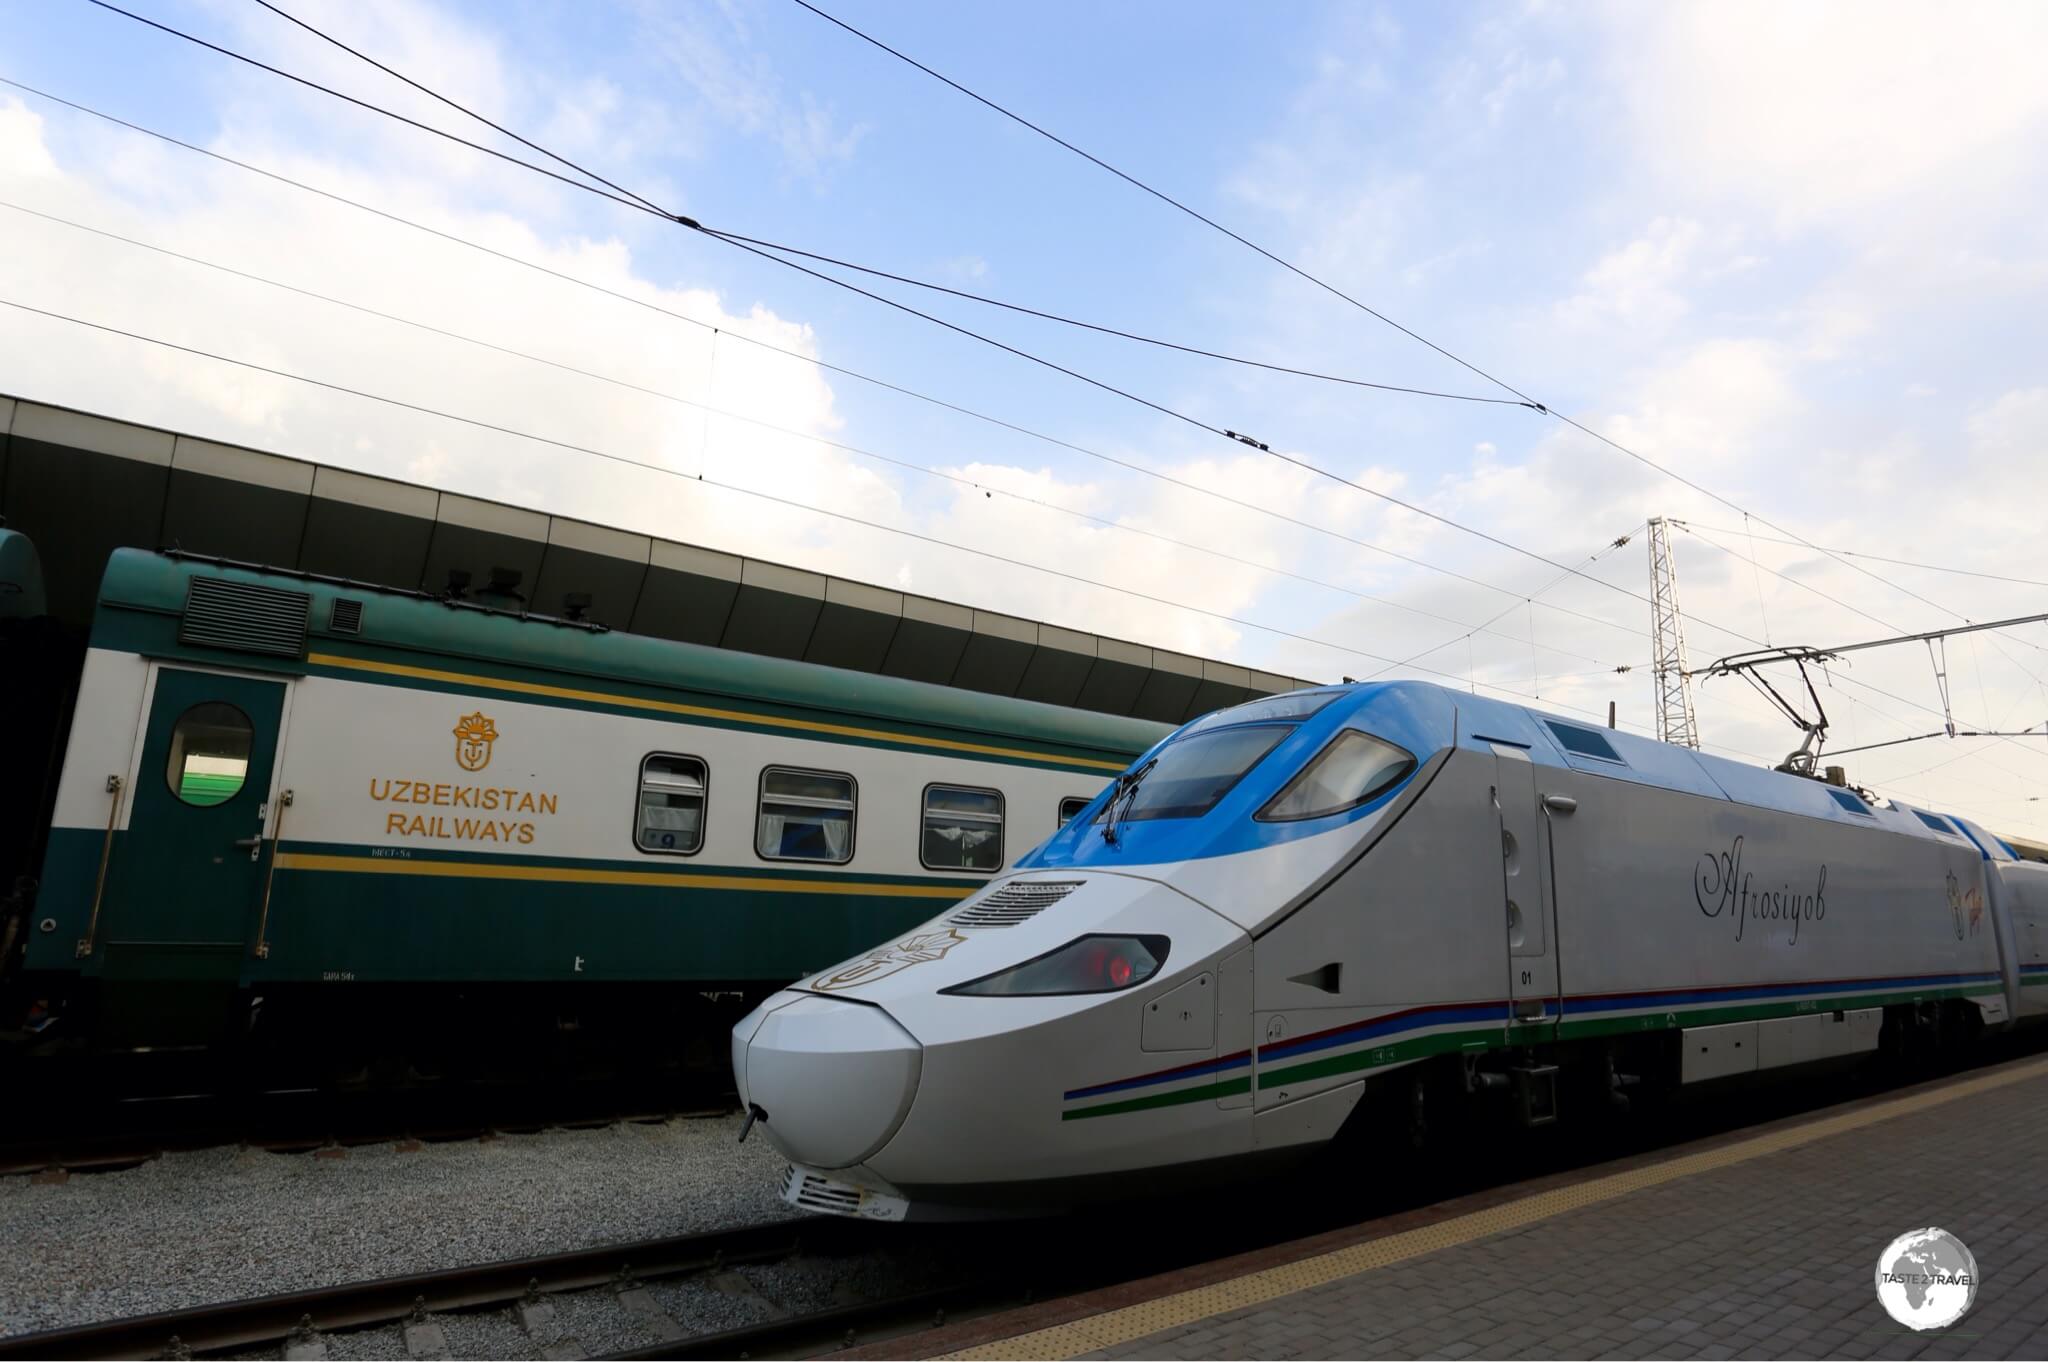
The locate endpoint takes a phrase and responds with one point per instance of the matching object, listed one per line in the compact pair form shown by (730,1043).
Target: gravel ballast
(197,1228)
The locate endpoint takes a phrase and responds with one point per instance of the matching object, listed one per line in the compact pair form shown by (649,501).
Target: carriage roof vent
(245,617)
(345,616)
(1583,742)
(1015,902)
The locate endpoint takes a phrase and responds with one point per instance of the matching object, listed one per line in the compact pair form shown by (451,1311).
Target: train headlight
(1088,964)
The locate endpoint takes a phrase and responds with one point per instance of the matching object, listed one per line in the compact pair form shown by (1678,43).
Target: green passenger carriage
(355,818)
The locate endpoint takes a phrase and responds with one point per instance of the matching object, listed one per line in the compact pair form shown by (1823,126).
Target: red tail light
(1089,964)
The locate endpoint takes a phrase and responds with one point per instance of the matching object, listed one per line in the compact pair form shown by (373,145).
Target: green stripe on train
(1487,1038)
(343,927)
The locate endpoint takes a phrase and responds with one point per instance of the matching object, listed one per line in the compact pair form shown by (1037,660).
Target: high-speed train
(1348,909)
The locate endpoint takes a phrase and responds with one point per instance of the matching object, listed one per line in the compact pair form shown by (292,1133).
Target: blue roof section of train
(1426,719)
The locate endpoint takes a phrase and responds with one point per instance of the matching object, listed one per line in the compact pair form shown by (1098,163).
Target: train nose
(833,1078)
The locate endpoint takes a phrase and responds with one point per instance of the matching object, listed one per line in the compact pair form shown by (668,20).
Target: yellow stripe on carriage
(702,711)
(564,874)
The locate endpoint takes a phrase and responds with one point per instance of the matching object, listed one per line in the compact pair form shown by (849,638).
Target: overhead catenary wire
(1938,733)
(1044,315)
(1929,636)
(1100,384)
(1518,597)
(678,218)
(1876,619)
(1837,680)
(1525,399)
(1304,464)
(330,91)
(1877,557)
(844,264)
(1808,587)
(901,306)
(463,109)
(826,365)
(768,251)
(1754,563)
(709,410)
(1333,290)
(1168,199)
(1592,558)
(629,198)
(706,480)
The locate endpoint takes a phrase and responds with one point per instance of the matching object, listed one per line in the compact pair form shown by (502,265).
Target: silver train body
(1288,911)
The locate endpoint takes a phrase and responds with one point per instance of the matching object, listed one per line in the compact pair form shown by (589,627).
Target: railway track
(89,1135)
(278,1320)
(999,1266)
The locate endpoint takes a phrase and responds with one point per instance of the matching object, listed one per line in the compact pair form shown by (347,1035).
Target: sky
(1796,257)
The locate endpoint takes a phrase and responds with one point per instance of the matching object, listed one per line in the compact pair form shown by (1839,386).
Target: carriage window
(805,816)
(963,829)
(1072,805)
(1356,768)
(671,805)
(209,753)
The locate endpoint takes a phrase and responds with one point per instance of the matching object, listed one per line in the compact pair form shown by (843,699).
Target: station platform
(1758,1243)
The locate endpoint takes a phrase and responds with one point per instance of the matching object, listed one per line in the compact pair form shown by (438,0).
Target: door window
(671,804)
(209,758)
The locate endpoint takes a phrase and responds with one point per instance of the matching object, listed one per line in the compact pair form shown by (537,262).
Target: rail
(269,1320)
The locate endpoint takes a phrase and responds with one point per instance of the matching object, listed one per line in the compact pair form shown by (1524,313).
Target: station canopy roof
(81,486)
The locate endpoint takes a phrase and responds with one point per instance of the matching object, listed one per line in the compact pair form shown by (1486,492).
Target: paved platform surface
(1757,1245)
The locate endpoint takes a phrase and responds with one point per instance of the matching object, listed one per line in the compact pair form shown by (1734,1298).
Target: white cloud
(1639,284)
(1811,110)
(23,154)
(1517,76)
(737,85)
(1737,240)
(222,214)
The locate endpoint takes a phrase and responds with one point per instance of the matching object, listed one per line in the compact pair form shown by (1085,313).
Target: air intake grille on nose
(345,616)
(1014,902)
(814,1193)
(245,617)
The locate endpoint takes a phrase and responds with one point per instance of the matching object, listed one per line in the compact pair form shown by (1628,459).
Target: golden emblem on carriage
(474,734)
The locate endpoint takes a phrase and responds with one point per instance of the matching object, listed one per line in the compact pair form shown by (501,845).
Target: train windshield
(1191,773)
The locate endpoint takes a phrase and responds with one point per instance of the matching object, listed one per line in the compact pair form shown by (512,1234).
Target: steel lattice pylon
(1676,722)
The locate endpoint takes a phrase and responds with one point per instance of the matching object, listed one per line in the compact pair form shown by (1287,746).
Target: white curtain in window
(834,828)
(838,835)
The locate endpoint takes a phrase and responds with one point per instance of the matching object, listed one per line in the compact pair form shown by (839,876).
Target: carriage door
(1530,907)
(192,864)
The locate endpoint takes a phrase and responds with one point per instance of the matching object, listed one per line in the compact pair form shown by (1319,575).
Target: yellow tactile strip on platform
(1114,1327)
